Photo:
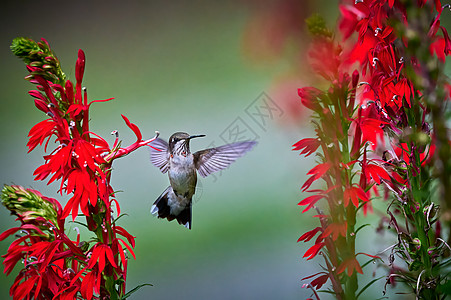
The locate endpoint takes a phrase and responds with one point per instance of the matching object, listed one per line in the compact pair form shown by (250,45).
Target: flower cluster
(404,83)
(343,164)
(395,123)
(55,266)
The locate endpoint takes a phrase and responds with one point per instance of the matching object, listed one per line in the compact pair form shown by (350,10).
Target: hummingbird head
(179,142)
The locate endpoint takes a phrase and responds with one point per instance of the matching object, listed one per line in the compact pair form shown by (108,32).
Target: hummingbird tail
(166,207)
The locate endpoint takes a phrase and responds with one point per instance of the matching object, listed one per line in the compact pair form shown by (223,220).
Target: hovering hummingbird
(182,167)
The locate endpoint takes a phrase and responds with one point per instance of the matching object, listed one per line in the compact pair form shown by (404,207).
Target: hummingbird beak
(196,136)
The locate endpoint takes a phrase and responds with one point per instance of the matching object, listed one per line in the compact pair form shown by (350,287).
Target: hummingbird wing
(160,157)
(215,159)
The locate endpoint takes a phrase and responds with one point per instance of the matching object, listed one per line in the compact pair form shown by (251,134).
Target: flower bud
(29,205)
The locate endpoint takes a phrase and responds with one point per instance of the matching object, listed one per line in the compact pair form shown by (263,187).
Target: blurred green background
(192,66)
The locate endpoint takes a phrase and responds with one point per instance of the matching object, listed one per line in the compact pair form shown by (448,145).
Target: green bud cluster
(27,204)
(317,26)
(39,55)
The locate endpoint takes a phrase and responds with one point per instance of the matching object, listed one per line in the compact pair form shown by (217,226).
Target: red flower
(351,15)
(325,58)
(334,230)
(309,234)
(438,47)
(43,255)
(309,98)
(101,253)
(309,145)
(351,264)
(354,193)
(447,49)
(376,172)
(41,131)
(316,172)
(311,200)
(314,250)
(55,266)
(404,153)
(370,127)
(319,281)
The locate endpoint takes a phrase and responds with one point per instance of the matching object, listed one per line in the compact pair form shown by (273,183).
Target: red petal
(24,289)
(309,145)
(8,232)
(320,281)
(311,200)
(313,251)
(133,127)
(124,233)
(377,172)
(319,170)
(309,235)
(128,247)
(110,256)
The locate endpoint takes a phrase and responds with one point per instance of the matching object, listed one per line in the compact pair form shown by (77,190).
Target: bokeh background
(197,66)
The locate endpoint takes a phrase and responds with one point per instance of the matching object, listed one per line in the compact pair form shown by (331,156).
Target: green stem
(351,284)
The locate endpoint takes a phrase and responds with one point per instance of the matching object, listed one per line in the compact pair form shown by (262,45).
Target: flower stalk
(56,266)
(342,167)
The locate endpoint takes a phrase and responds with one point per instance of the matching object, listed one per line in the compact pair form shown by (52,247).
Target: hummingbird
(182,167)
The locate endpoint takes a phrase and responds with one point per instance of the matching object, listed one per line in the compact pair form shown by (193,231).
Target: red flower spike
(404,89)
(55,266)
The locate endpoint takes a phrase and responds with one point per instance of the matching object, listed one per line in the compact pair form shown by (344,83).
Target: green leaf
(415,265)
(134,290)
(79,223)
(368,285)
(361,227)
(120,216)
(371,260)
(327,292)
(445,288)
